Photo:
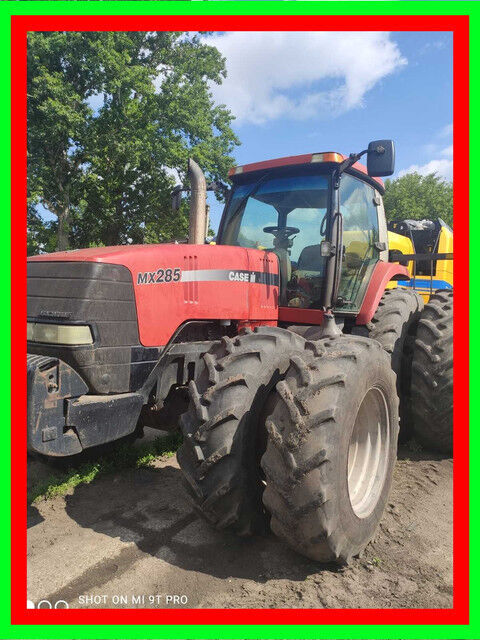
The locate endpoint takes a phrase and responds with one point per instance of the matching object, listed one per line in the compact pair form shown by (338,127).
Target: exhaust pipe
(198,204)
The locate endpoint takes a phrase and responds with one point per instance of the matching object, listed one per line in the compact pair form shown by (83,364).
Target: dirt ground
(133,540)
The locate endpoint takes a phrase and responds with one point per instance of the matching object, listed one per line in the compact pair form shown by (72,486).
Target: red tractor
(279,350)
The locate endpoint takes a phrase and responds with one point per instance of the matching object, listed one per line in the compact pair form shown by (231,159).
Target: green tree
(106,171)
(59,82)
(419,197)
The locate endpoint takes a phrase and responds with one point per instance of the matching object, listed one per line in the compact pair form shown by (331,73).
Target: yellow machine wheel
(432,374)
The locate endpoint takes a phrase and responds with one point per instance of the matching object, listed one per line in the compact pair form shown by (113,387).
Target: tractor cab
(312,211)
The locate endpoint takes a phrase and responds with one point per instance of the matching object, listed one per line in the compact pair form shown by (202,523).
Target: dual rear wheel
(328,442)
(419,341)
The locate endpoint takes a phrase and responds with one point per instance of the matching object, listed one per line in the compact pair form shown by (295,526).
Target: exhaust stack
(198,204)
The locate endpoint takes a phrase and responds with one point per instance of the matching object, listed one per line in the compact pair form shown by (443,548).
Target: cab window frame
(372,214)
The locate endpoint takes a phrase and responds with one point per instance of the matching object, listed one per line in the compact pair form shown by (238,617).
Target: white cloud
(448,151)
(446,131)
(442,164)
(442,167)
(279,74)
(433,46)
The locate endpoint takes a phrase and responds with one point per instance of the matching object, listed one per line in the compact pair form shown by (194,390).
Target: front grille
(102,296)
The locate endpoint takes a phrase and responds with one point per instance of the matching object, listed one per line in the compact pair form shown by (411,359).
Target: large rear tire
(332,441)
(432,374)
(394,325)
(220,456)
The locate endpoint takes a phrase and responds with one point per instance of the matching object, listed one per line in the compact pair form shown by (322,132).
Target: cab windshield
(276,203)
(286,215)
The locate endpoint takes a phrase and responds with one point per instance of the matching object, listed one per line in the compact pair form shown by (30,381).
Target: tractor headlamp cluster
(71,334)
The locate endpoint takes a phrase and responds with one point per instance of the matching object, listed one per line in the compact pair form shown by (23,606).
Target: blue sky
(301,93)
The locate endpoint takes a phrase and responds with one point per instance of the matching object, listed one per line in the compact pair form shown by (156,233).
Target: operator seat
(285,272)
(311,260)
(308,277)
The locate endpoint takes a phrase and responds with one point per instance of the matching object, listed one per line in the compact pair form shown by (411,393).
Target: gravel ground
(132,540)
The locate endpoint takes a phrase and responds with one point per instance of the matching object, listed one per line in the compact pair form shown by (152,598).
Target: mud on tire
(312,505)
(394,325)
(220,456)
(432,374)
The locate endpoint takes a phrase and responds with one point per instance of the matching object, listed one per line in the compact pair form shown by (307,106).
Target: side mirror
(176,197)
(218,187)
(381,158)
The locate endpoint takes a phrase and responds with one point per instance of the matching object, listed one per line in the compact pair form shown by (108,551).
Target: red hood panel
(112,255)
(178,282)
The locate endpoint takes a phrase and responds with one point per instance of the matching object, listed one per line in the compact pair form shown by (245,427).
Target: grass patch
(122,456)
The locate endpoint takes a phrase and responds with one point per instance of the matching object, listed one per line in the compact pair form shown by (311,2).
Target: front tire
(331,448)
(220,455)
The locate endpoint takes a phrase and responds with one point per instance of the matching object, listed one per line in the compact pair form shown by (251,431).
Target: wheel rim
(368,453)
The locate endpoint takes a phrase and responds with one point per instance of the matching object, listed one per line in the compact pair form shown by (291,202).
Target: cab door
(360,241)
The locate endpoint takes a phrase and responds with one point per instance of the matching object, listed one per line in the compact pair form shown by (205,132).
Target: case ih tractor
(281,346)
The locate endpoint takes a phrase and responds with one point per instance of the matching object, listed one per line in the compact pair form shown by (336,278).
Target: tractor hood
(172,283)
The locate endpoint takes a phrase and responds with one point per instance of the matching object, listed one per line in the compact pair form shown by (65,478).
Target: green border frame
(213,7)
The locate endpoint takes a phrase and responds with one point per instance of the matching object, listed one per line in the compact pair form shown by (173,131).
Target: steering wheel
(284,231)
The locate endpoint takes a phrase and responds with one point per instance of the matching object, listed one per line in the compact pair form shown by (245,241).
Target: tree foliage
(41,235)
(418,197)
(110,115)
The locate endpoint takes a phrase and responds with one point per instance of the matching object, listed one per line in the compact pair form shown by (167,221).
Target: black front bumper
(63,419)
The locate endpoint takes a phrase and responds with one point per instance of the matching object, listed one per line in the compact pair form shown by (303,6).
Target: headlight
(59,333)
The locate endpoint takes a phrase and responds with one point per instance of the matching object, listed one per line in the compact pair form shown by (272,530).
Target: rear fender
(383,273)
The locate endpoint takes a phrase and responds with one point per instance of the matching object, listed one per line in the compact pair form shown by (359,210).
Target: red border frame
(20,25)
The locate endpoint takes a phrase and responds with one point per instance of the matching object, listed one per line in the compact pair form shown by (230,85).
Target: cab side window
(360,234)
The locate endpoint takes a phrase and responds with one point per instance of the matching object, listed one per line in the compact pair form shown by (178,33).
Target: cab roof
(307,158)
